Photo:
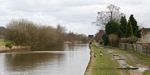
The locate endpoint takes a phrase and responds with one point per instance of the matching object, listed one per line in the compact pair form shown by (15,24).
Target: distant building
(90,37)
(145,35)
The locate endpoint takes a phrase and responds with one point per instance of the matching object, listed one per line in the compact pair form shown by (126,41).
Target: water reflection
(18,62)
(71,61)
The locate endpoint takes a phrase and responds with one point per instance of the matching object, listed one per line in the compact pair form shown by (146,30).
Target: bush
(105,39)
(9,44)
(112,27)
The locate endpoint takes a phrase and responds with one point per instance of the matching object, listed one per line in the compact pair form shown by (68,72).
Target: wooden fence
(140,48)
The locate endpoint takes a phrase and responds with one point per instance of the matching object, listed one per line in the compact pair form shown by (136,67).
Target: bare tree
(113,13)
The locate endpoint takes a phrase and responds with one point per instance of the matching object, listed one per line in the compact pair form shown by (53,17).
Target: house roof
(145,29)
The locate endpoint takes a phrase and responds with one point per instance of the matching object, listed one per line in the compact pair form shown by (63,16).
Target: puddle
(120,59)
(115,55)
(142,69)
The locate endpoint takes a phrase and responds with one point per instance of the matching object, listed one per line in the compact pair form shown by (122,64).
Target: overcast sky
(76,15)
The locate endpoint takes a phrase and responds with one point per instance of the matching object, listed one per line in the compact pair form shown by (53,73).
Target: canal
(73,60)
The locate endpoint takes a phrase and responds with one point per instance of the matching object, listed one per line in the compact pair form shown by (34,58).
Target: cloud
(75,15)
(80,28)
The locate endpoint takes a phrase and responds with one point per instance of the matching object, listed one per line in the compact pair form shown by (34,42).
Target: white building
(145,35)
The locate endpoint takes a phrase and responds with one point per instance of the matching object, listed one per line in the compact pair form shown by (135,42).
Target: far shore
(3,49)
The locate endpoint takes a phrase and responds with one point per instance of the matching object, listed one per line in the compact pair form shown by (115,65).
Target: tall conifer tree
(132,27)
(123,26)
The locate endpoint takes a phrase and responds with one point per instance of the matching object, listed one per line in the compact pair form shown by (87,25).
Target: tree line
(76,38)
(39,37)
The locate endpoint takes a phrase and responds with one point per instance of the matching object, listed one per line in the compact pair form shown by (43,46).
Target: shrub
(105,39)
(9,44)
(112,27)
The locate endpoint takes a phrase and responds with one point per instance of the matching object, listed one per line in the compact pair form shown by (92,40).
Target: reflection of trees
(30,61)
(75,47)
(71,46)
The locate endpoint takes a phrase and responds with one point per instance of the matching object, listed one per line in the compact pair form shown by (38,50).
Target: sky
(75,15)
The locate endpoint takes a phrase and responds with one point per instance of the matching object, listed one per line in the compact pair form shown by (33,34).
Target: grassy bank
(103,65)
(143,59)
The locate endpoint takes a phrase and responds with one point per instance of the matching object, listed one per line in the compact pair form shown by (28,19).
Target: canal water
(72,61)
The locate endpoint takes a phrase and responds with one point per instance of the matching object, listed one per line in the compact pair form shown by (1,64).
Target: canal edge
(88,71)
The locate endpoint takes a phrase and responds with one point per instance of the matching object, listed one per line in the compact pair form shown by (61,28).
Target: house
(145,35)
(90,37)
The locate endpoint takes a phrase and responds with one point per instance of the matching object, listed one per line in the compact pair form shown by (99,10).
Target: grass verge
(142,58)
(146,73)
(129,60)
(104,65)
(137,58)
